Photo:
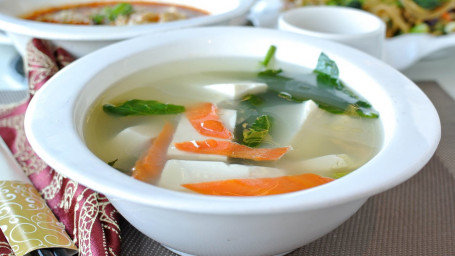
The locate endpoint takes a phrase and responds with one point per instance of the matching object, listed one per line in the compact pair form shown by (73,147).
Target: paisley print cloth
(90,220)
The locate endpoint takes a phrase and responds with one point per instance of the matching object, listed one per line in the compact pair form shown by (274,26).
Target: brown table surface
(416,218)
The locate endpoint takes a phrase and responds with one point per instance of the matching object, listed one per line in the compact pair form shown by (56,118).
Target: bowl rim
(53,31)
(322,196)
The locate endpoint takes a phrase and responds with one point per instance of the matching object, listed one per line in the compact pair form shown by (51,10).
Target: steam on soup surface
(204,126)
(114,13)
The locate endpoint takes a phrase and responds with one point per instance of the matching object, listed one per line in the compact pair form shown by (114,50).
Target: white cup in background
(349,26)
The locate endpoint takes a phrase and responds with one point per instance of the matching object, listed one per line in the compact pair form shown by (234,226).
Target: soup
(115,13)
(233,128)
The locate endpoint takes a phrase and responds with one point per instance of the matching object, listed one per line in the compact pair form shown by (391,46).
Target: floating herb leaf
(326,66)
(258,132)
(326,98)
(269,56)
(142,107)
(327,76)
(111,163)
(338,175)
(271,72)
(254,100)
(329,92)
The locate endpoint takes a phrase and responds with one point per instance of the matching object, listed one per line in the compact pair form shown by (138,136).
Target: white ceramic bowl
(356,28)
(80,40)
(211,226)
(401,52)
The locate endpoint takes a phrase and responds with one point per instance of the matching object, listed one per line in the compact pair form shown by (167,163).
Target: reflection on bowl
(79,40)
(212,225)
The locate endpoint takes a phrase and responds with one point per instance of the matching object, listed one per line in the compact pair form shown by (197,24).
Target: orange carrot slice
(204,118)
(232,149)
(258,186)
(149,167)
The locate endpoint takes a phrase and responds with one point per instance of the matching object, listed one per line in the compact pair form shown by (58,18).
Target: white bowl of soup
(85,25)
(233,140)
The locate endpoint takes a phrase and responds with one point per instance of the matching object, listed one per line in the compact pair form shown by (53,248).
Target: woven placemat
(416,218)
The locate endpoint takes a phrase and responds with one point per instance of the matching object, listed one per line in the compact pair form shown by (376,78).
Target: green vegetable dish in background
(436,17)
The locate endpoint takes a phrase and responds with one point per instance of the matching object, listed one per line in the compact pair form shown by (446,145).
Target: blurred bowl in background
(401,52)
(82,39)
(356,28)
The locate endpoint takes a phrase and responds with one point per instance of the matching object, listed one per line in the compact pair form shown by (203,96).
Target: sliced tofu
(313,132)
(186,132)
(133,142)
(178,172)
(290,120)
(323,165)
(237,90)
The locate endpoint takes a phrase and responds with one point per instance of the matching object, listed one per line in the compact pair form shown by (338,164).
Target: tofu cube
(178,172)
(324,165)
(313,132)
(290,119)
(237,90)
(132,143)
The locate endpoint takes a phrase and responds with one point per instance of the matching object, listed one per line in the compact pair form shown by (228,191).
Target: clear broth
(182,84)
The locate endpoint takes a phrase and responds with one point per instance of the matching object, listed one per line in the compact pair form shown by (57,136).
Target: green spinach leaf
(329,92)
(112,163)
(269,56)
(137,107)
(258,132)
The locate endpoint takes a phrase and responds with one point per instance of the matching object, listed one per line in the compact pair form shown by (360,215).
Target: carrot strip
(149,167)
(258,186)
(231,149)
(204,118)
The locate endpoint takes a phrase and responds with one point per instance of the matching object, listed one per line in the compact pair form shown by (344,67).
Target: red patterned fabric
(90,220)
